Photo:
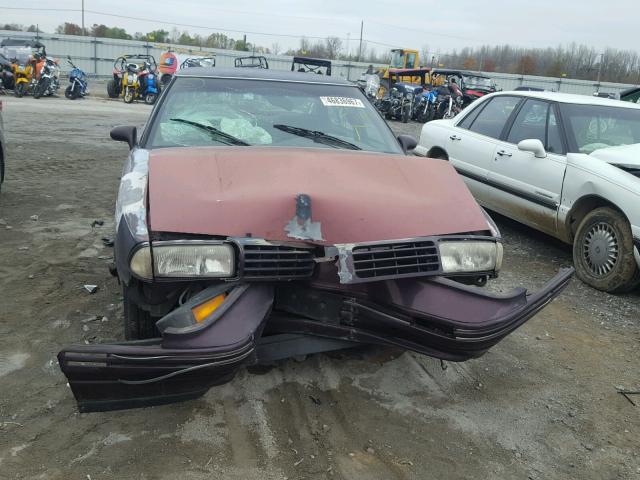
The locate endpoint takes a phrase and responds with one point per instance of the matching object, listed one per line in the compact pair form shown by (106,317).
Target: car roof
(262,74)
(462,72)
(568,98)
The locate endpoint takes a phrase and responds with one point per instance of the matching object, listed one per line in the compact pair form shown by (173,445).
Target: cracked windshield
(202,112)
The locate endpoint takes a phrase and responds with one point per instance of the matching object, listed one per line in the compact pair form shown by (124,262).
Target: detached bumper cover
(435,317)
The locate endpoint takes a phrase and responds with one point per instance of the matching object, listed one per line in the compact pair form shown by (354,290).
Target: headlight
(470,256)
(184,261)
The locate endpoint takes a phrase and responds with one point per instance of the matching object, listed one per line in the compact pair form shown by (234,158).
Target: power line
(186,25)
(165,22)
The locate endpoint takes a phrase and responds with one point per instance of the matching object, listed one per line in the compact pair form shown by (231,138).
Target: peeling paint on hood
(357,196)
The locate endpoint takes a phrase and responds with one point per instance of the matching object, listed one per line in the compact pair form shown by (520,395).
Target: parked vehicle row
(567,165)
(423,94)
(135,77)
(26,68)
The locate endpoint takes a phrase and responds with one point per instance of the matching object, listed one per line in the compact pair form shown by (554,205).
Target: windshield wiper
(318,137)
(214,132)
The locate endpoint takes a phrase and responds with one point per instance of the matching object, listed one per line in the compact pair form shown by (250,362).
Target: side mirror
(534,146)
(407,142)
(125,134)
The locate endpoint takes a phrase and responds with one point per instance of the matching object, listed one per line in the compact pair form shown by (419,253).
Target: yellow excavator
(403,59)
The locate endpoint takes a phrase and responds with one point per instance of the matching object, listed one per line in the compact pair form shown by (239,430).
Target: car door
(472,142)
(522,186)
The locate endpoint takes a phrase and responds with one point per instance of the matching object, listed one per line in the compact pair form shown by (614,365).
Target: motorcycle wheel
(69,93)
(112,91)
(449,114)
(150,98)
(406,113)
(19,91)
(129,95)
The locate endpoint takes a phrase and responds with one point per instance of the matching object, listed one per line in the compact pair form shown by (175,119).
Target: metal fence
(96,55)
(507,81)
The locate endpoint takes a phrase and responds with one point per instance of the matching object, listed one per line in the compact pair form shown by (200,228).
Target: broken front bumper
(435,317)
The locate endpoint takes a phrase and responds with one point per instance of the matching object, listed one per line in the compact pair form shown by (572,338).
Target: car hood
(355,196)
(623,156)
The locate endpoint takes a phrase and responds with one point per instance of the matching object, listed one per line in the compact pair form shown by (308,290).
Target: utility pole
(83,31)
(600,69)
(360,48)
(348,57)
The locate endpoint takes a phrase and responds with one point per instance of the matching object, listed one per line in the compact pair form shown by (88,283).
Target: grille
(277,261)
(395,259)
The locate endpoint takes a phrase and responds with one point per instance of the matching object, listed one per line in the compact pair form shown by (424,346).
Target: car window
(591,127)
(266,113)
(494,116)
(554,136)
(470,117)
(531,122)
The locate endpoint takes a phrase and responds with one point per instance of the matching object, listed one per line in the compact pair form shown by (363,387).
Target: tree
(527,65)
(69,29)
(99,30)
(160,36)
(117,32)
(11,26)
(185,39)
(333,46)
(488,65)
(275,48)
(469,63)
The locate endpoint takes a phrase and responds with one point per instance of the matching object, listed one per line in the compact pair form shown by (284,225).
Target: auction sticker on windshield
(341,102)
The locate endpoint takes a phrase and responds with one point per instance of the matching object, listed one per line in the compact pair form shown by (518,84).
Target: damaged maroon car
(265,214)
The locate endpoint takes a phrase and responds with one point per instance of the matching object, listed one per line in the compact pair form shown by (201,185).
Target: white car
(568,165)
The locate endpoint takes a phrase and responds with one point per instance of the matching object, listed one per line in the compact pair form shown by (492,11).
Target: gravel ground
(540,405)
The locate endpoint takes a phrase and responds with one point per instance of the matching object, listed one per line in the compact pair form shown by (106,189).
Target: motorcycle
(48,74)
(398,103)
(23,75)
(139,83)
(77,82)
(130,82)
(7,77)
(371,86)
(425,106)
(149,83)
(142,66)
(448,106)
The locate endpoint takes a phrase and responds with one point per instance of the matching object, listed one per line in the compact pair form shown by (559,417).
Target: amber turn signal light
(205,309)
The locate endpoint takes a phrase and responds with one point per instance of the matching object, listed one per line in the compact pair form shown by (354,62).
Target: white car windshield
(591,127)
(236,111)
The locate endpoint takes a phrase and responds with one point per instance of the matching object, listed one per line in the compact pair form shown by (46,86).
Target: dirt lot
(541,405)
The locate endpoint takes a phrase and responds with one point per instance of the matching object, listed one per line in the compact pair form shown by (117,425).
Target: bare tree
(333,46)
(275,48)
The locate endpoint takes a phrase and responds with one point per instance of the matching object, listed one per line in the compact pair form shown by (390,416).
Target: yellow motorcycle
(130,82)
(23,76)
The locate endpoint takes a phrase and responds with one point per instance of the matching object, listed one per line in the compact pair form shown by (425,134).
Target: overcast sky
(442,25)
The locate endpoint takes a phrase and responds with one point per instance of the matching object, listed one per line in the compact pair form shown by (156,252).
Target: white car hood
(623,156)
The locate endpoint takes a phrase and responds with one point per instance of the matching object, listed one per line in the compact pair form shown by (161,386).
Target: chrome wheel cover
(600,249)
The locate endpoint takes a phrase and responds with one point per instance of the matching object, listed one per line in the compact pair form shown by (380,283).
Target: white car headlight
(184,261)
(470,256)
